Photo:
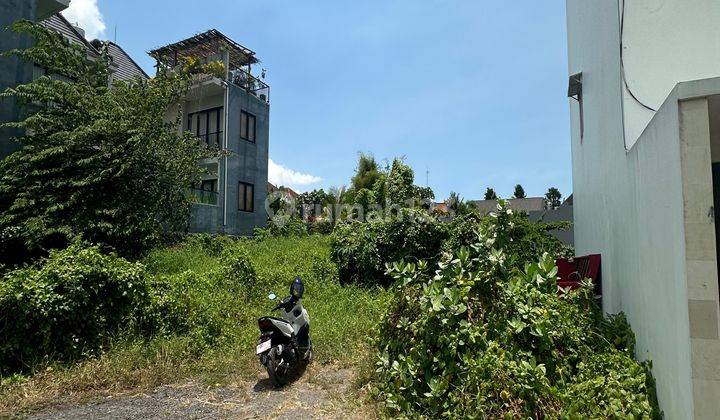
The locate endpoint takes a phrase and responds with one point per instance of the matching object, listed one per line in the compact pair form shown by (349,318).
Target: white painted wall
(628,204)
(665,42)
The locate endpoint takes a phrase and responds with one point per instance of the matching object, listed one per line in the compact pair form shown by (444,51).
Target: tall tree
(490,194)
(399,184)
(457,205)
(519,192)
(96,163)
(552,198)
(366,173)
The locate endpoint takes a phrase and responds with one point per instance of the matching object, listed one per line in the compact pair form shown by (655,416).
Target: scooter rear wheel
(277,373)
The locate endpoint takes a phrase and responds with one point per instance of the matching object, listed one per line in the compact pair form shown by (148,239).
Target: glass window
(247,126)
(207,125)
(245,196)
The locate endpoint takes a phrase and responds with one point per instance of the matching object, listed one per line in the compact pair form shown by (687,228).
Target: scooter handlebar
(284,303)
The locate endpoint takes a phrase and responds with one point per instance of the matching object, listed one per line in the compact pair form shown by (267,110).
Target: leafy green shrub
(282,227)
(206,305)
(361,250)
(484,334)
(212,245)
(322,226)
(527,240)
(67,305)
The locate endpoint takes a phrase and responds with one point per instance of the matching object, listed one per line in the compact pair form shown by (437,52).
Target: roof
(58,23)
(517,204)
(287,191)
(440,207)
(125,68)
(203,45)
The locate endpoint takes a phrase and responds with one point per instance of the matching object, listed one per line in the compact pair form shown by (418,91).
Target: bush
(67,305)
(527,240)
(361,250)
(484,334)
(281,227)
(212,245)
(322,226)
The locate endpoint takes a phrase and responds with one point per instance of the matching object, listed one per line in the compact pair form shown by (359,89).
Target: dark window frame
(242,198)
(247,116)
(212,183)
(194,128)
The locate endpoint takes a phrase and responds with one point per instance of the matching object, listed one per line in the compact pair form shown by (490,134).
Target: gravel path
(321,392)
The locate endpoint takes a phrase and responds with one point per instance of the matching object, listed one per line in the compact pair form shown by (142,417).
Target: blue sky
(472,91)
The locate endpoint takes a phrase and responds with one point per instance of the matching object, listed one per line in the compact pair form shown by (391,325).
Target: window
(247,126)
(246,195)
(207,126)
(209,185)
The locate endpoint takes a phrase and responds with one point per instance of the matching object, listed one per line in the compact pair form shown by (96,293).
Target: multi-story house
(228,110)
(14,72)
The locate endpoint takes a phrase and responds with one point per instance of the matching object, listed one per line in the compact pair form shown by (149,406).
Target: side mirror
(272,296)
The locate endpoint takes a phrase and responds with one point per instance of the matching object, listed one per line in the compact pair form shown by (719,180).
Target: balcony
(250,84)
(198,196)
(47,8)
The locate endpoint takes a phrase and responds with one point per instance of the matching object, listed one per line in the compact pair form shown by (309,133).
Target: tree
(97,163)
(366,173)
(552,198)
(519,192)
(399,186)
(490,194)
(457,205)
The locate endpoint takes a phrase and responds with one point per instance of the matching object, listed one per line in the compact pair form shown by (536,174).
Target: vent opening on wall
(575,92)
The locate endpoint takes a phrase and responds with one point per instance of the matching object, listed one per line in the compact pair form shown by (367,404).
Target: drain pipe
(226,60)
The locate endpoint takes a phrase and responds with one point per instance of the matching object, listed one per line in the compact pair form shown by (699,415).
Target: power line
(622,61)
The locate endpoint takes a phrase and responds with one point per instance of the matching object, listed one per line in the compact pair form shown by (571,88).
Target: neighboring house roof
(286,190)
(517,204)
(124,67)
(439,207)
(57,22)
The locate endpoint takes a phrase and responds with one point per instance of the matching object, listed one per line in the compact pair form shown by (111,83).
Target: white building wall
(665,42)
(628,192)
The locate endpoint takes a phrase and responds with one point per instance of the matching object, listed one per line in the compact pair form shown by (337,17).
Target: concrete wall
(12,71)
(629,206)
(646,204)
(665,42)
(700,255)
(246,162)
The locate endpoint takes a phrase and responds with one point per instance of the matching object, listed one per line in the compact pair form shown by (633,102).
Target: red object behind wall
(572,271)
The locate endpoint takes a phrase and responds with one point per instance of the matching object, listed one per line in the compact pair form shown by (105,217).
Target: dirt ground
(319,392)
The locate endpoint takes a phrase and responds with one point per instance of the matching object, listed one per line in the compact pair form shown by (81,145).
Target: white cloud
(85,13)
(280,175)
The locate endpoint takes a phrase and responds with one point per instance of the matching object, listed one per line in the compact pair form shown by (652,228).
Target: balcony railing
(199,196)
(251,84)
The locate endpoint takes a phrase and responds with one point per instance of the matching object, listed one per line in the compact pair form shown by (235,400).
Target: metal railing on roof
(251,84)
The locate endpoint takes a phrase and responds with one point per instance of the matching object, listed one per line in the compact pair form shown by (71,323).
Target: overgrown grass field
(342,318)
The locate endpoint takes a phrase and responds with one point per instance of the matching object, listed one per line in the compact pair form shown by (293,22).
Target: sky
(472,93)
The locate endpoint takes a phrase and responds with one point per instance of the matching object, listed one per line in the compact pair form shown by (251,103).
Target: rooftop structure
(212,46)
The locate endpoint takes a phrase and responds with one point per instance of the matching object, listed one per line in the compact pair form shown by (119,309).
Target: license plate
(263,347)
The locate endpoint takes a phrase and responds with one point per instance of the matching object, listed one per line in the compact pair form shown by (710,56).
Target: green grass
(342,318)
